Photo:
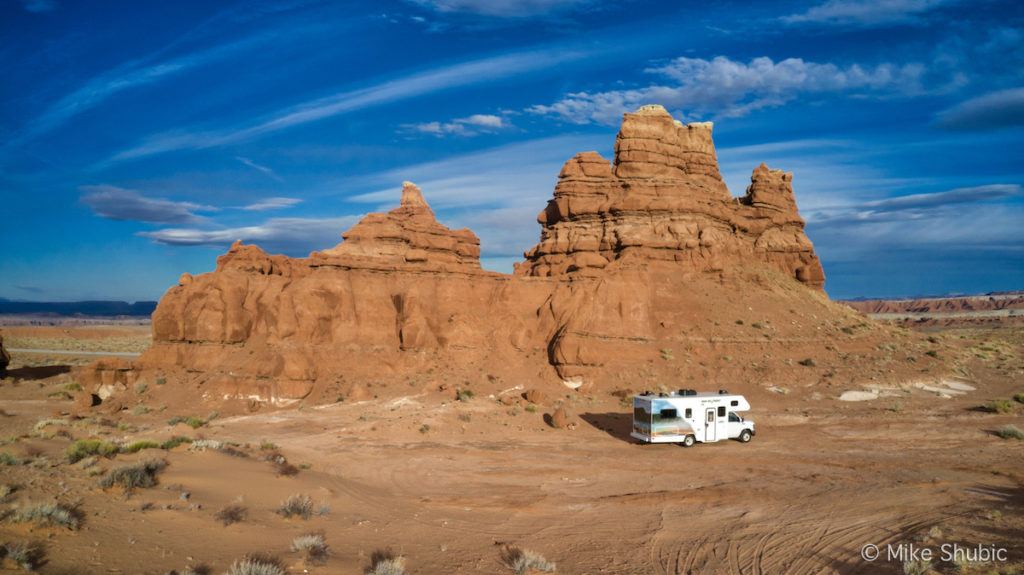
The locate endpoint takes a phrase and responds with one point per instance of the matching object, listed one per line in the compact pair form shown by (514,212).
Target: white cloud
(865,12)
(259,168)
(502,8)
(469,126)
(294,236)
(727,88)
(121,204)
(416,84)
(272,204)
(992,111)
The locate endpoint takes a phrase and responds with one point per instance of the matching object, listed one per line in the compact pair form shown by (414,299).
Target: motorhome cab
(686,417)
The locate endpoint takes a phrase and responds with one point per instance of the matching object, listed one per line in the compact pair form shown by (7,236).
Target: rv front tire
(745,436)
(688,441)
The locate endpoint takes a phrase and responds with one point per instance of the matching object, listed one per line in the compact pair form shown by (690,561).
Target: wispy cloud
(993,111)
(502,8)
(388,91)
(914,206)
(272,204)
(132,74)
(293,236)
(122,204)
(723,87)
(38,6)
(865,13)
(259,168)
(468,126)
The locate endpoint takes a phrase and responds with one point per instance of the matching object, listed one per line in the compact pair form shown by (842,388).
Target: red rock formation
(627,256)
(664,200)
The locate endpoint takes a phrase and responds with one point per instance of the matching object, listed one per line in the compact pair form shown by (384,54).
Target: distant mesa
(632,253)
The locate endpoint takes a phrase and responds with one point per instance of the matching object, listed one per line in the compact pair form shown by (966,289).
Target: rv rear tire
(745,436)
(688,441)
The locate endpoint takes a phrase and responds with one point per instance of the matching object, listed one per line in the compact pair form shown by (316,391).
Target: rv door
(710,426)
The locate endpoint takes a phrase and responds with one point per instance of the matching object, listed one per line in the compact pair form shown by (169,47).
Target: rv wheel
(688,441)
(745,436)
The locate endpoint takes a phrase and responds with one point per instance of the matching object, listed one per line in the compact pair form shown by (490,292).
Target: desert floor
(449,484)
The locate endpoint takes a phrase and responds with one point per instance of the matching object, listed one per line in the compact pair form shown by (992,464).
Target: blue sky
(141,139)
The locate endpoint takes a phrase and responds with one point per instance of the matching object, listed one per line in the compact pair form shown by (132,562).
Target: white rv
(687,417)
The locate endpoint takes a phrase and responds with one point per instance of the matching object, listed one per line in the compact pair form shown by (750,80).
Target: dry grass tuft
(313,545)
(49,515)
(522,561)
(386,563)
(27,555)
(230,514)
(136,475)
(257,565)
(296,506)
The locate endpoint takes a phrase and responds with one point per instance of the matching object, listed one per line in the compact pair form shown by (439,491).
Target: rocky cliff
(664,199)
(639,259)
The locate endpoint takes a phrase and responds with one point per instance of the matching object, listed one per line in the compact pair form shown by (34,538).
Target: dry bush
(257,565)
(386,563)
(137,446)
(296,505)
(27,555)
(916,567)
(232,513)
(129,477)
(313,545)
(999,406)
(522,561)
(49,515)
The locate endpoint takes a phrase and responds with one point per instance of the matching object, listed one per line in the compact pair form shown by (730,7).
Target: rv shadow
(618,425)
(40,372)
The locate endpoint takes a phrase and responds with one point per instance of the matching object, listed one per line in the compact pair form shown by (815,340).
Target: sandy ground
(447,484)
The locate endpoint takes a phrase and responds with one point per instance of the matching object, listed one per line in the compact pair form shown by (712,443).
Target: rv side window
(734,403)
(689,413)
(721,411)
(669,413)
(734,418)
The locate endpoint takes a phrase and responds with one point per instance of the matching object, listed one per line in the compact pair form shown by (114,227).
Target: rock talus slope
(639,259)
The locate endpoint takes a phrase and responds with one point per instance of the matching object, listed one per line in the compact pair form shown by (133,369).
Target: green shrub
(191,421)
(138,446)
(666,354)
(83,448)
(1010,432)
(136,475)
(809,362)
(8,459)
(175,442)
(1000,406)
(72,387)
(1018,397)
(932,353)
(49,515)
(464,394)
(268,446)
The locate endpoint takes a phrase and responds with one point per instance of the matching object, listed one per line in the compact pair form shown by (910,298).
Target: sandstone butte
(645,269)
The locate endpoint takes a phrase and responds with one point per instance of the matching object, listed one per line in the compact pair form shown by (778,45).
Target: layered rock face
(664,199)
(632,254)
